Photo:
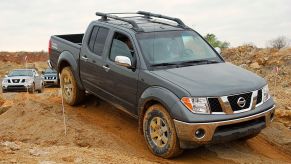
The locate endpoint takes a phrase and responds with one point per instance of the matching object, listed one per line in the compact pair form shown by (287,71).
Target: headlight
(5,81)
(196,104)
(266,95)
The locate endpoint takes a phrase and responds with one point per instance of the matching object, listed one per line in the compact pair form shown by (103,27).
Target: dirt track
(32,131)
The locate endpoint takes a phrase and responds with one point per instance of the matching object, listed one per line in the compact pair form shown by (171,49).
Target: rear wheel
(72,94)
(160,133)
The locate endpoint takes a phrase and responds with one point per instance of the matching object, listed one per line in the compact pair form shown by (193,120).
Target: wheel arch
(155,95)
(67,59)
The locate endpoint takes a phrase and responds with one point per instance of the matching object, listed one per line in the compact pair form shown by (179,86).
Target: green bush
(214,42)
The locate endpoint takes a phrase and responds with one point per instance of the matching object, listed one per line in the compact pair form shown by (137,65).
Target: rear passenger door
(91,59)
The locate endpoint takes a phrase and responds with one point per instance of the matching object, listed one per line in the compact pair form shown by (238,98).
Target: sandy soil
(32,131)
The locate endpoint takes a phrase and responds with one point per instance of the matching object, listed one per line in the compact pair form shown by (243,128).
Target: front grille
(234,99)
(214,105)
(259,98)
(50,78)
(231,103)
(15,80)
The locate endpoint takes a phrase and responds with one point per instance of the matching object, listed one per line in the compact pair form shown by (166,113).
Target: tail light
(49,47)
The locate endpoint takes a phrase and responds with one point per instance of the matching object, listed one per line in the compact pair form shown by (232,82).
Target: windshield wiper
(200,61)
(186,62)
(163,64)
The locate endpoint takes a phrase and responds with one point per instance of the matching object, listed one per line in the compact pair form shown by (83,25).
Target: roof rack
(104,17)
(149,14)
(146,14)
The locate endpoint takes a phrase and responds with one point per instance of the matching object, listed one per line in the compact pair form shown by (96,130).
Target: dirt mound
(33,131)
(19,57)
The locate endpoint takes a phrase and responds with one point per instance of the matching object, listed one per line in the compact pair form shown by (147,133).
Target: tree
(214,42)
(279,42)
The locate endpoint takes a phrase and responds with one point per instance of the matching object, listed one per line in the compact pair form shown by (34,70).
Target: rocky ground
(32,126)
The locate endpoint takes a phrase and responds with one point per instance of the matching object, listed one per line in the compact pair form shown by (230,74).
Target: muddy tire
(41,89)
(32,89)
(160,133)
(72,94)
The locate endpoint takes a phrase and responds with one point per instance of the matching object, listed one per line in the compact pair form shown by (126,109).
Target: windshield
(174,47)
(48,71)
(21,73)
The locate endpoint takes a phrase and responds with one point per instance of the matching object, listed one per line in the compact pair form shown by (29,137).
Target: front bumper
(221,131)
(51,82)
(23,87)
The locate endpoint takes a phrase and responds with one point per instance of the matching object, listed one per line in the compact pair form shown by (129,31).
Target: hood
(18,77)
(50,74)
(218,79)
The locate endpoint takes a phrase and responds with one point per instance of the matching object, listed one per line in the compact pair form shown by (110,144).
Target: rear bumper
(223,130)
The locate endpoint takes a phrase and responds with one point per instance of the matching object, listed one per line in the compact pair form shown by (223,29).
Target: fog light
(199,133)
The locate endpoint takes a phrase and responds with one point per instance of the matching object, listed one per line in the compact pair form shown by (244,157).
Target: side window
(121,46)
(93,37)
(100,41)
(97,40)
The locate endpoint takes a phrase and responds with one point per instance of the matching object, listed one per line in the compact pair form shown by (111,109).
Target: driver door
(120,81)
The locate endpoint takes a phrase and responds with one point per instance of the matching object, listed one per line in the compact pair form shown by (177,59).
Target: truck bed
(74,38)
(65,43)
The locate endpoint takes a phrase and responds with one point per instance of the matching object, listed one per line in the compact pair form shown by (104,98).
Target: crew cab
(164,74)
(23,80)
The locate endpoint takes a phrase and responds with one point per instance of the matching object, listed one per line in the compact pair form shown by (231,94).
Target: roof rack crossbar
(104,17)
(149,14)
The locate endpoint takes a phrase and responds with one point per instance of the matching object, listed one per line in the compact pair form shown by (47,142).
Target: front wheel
(41,88)
(160,133)
(72,94)
(32,89)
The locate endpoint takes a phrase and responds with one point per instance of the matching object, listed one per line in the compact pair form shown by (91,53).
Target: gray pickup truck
(165,75)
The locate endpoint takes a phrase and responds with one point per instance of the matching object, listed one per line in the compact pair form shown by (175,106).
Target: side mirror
(123,61)
(6,76)
(218,50)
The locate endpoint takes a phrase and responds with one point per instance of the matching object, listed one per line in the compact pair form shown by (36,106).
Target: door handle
(106,68)
(84,58)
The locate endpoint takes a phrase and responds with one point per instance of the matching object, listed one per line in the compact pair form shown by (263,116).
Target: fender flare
(156,94)
(67,59)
